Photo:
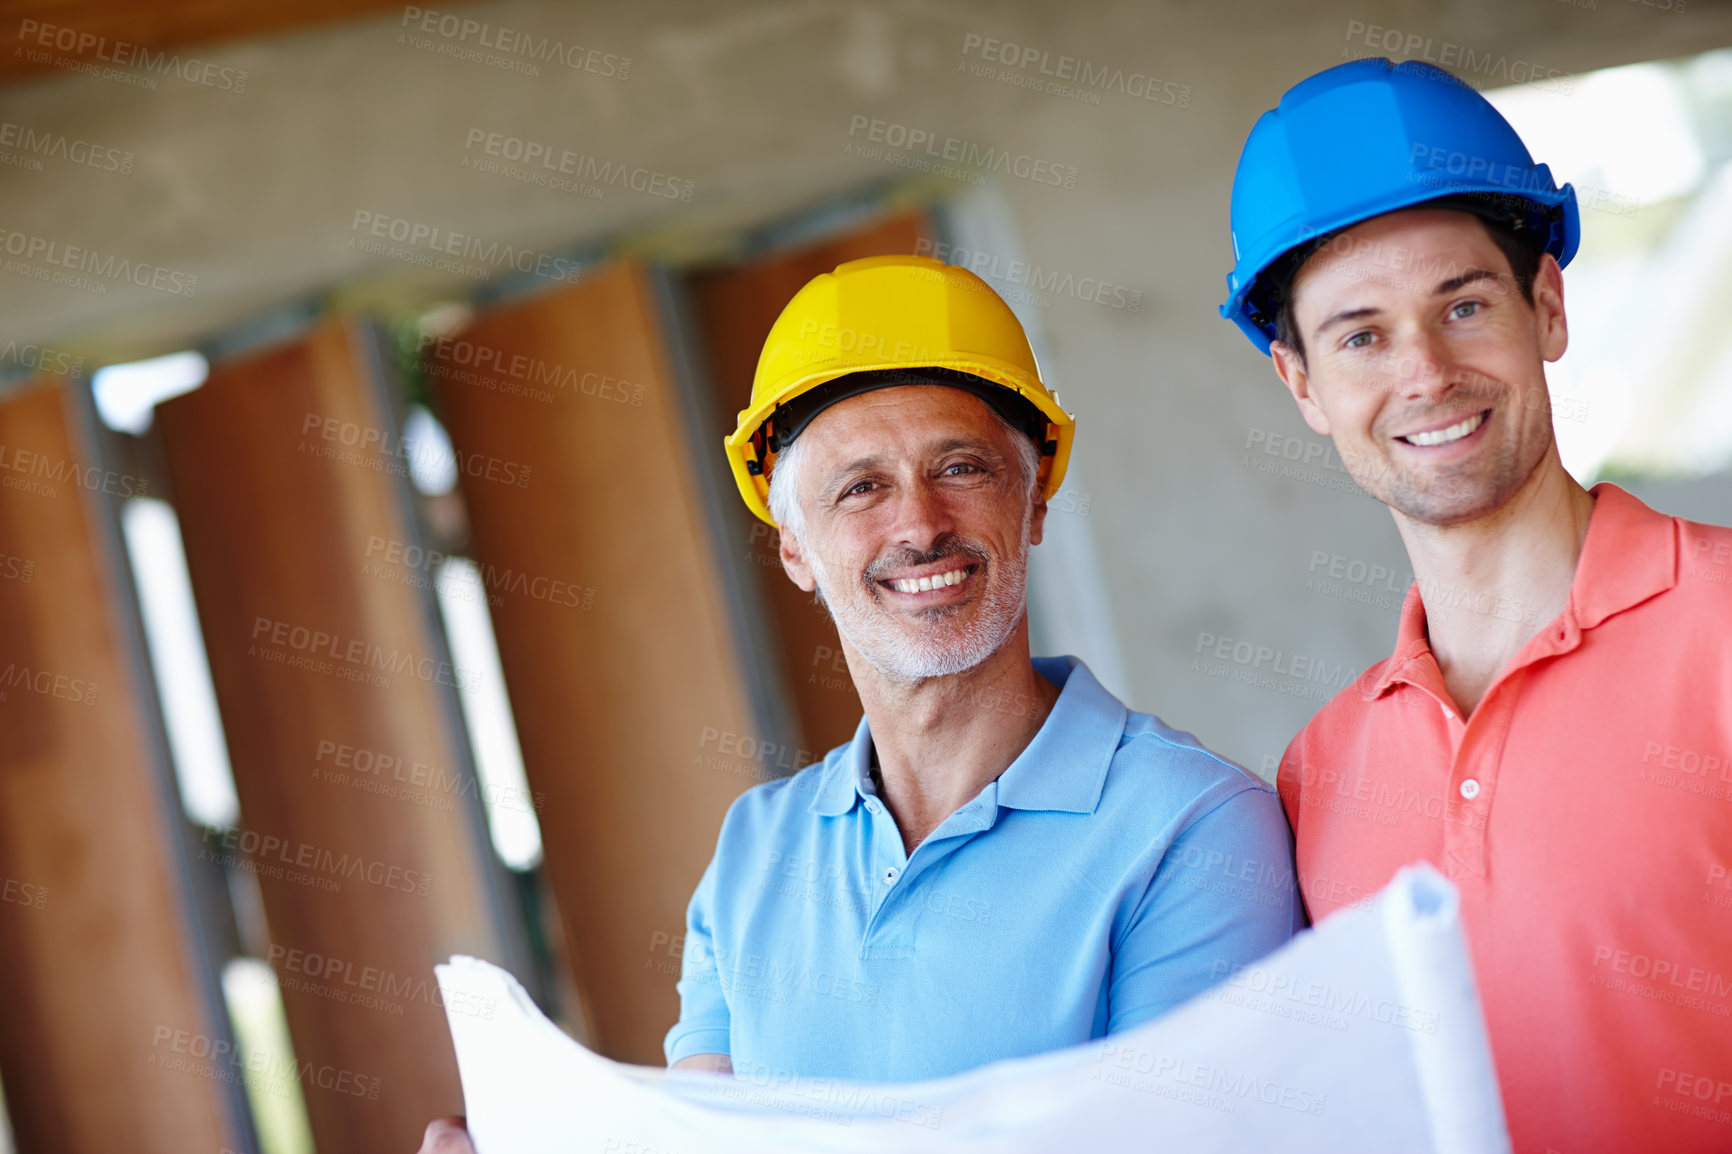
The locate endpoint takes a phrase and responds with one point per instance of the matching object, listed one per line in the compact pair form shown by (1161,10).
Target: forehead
(901,419)
(1411,251)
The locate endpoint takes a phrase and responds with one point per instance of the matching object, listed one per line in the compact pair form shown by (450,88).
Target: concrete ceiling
(251,170)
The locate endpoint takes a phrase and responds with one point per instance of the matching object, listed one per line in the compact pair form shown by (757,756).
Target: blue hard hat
(1368,137)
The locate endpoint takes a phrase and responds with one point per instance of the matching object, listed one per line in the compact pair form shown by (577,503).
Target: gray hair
(784,479)
(784,499)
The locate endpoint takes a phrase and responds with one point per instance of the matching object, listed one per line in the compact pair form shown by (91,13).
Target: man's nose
(1422,367)
(922,516)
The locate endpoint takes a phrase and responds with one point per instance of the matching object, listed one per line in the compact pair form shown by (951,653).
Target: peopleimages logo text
(34,36)
(967,154)
(462,30)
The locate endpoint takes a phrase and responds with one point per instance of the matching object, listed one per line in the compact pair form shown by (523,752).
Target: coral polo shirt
(1584,810)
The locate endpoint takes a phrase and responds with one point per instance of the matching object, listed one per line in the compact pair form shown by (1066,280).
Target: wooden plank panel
(287,476)
(625,681)
(735,308)
(101,982)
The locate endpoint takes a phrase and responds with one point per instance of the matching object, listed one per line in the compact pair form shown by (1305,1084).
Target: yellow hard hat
(873,320)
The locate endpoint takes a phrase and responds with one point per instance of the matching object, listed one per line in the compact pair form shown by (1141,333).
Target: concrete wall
(759,106)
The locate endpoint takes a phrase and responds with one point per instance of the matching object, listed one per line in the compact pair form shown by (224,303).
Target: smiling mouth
(1454,432)
(931,581)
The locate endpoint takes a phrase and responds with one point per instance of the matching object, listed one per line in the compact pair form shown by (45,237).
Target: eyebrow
(1344,315)
(1444,288)
(1466,278)
(857,465)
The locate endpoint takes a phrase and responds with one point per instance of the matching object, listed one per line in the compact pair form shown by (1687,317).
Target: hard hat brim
(755,487)
(1243,280)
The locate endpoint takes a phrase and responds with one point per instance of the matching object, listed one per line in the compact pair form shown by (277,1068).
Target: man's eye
(964,467)
(1464,309)
(857,488)
(1358,340)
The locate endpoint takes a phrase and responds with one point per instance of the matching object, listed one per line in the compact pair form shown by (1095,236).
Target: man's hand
(446,1136)
(709,1063)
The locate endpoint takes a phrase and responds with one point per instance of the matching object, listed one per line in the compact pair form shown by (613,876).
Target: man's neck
(1491,584)
(939,742)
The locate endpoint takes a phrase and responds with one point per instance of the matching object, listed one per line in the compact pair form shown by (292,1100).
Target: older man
(1004,860)
(1553,728)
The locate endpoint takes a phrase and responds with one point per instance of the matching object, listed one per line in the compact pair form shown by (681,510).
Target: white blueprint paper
(1363,1034)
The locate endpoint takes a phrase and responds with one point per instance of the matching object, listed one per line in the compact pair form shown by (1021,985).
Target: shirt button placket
(1461,850)
(886,841)
(1475,773)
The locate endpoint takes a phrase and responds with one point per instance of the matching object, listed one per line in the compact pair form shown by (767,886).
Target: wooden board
(103,1006)
(625,680)
(287,477)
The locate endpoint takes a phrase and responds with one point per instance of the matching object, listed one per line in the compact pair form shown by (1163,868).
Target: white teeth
(936,581)
(1443,436)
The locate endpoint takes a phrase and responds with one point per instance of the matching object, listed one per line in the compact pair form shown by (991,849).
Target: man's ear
(1037,518)
(794,561)
(1549,321)
(1290,367)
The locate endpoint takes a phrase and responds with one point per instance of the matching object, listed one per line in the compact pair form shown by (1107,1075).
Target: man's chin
(914,668)
(1444,505)
(913,655)
(922,657)
(1441,499)
(913,643)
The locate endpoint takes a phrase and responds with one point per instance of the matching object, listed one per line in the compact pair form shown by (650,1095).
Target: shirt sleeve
(704,1018)
(1223,896)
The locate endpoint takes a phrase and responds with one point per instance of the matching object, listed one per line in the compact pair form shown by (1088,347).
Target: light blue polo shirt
(1114,870)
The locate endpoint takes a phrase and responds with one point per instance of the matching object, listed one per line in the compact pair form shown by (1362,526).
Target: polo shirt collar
(1412,648)
(1630,554)
(1064,768)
